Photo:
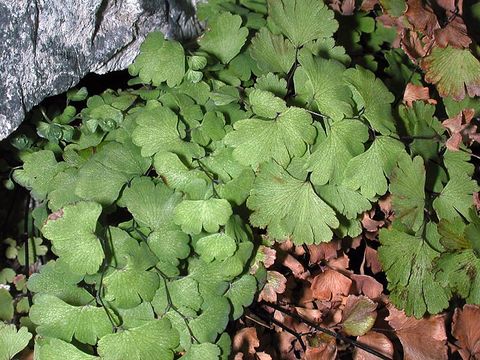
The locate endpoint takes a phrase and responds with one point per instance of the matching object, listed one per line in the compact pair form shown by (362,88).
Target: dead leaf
(276,284)
(330,285)
(416,92)
(368,5)
(367,285)
(422,17)
(376,341)
(422,339)
(296,266)
(454,34)
(246,341)
(358,315)
(370,224)
(372,260)
(465,328)
(476,200)
(313,315)
(323,251)
(321,347)
(460,129)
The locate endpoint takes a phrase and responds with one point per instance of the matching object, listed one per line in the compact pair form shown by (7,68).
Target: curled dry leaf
(245,341)
(369,224)
(313,315)
(367,285)
(276,284)
(465,328)
(476,200)
(413,45)
(344,7)
(422,339)
(330,285)
(461,129)
(340,263)
(323,251)
(372,260)
(359,315)
(377,341)
(454,34)
(421,16)
(296,266)
(416,92)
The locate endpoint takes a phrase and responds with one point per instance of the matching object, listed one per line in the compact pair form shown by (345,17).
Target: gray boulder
(47,46)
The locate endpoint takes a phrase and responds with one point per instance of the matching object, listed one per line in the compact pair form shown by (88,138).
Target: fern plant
(153,197)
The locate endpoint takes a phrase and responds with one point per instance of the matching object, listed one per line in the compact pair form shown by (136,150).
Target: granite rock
(47,46)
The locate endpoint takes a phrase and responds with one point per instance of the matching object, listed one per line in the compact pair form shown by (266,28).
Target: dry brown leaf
(321,347)
(476,200)
(296,266)
(368,5)
(454,34)
(313,315)
(263,356)
(416,92)
(323,251)
(370,224)
(460,129)
(413,45)
(276,284)
(340,263)
(376,341)
(367,285)
(330,285)
(466,328)
(422,17)
(422,339)
(372,260)
(245,341)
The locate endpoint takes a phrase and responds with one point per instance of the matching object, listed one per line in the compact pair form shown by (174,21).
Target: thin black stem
(327,331)
(279,324)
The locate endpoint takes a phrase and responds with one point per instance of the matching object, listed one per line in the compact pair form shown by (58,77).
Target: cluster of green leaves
(266,123)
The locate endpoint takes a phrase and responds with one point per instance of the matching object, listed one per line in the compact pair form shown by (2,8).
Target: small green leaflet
(157,130)
(368,171)
(72,233)
(266,104)
(57,319)
(55,349)
(128,280)
(169,245)
(12,341)
(38,171)
(178,176)
(257,140)
(55,278)
(321,81)
(216,246)
(459,267)
(193,215)
(181,293)
(151,341)
(241,293)
(343,142)
(205,351)
(302,20)
(408,262)
(272,52)
(289,207)
(225,37)
(456,197)
(212,321)
(150,204)
(159,60)
(106,172)
(343,199)
(407,184)
(373,96)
